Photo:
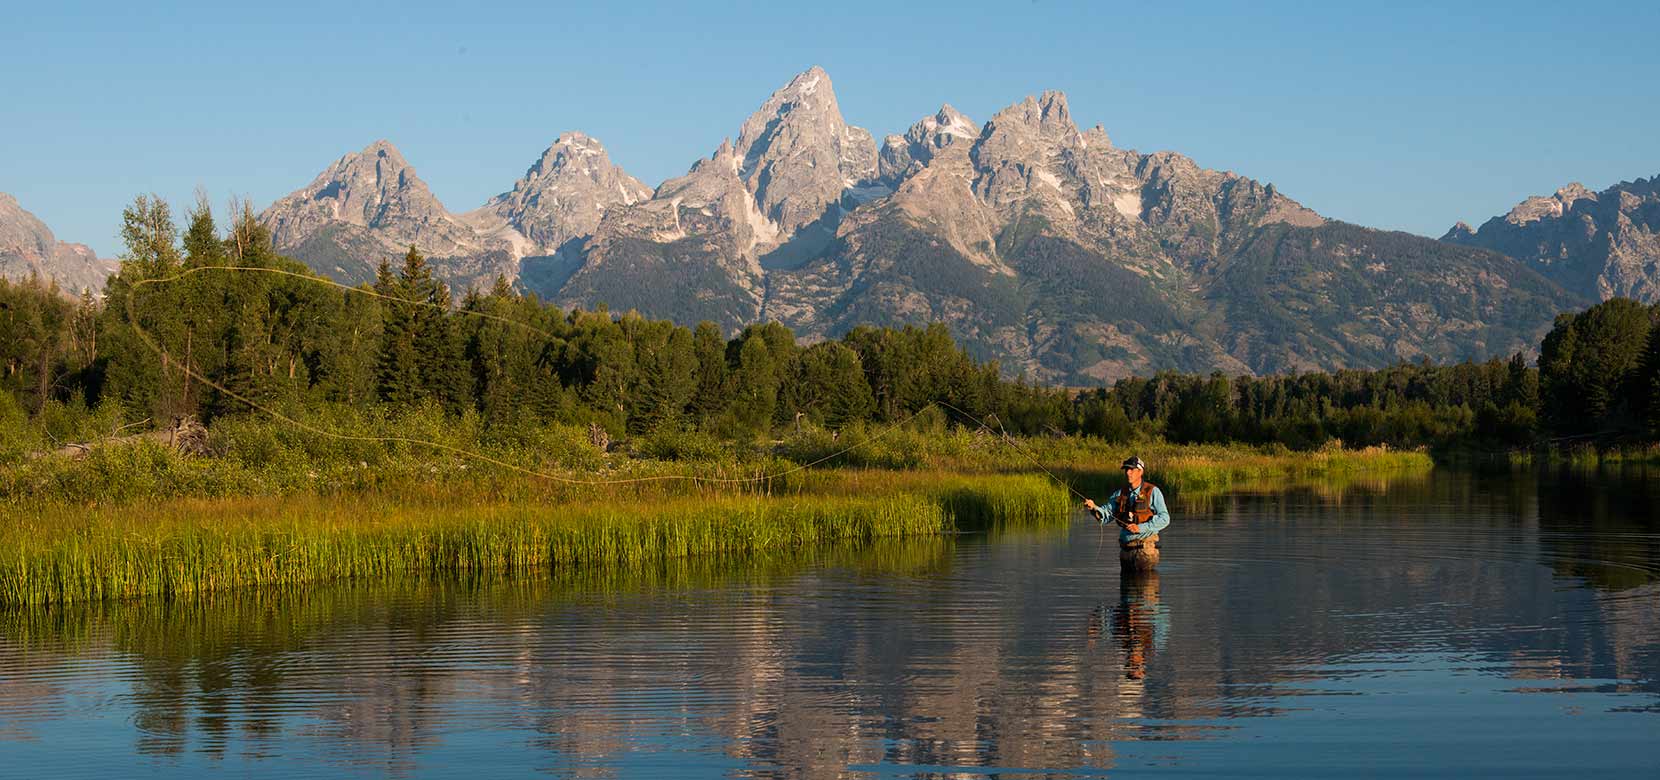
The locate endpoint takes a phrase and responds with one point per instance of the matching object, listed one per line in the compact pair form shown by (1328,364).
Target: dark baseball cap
(1133,462)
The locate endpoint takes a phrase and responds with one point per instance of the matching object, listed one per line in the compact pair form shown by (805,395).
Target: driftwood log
(186,435)
(598,437)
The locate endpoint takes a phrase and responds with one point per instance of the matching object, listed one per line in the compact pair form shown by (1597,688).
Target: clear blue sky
(1400,115)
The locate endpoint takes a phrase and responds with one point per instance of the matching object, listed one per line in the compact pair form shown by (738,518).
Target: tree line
(288,343)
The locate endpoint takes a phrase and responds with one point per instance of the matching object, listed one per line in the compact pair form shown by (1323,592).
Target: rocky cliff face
(1075,261)
(706,244)
(28,248)
(562,197)
(691,253)
(1598,244)
(369,206)
(1042,245)
(797,156)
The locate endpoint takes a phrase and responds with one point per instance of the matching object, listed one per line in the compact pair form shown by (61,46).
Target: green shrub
(17,436)
(74,422)
(930,421)
(689,446)
(552,445)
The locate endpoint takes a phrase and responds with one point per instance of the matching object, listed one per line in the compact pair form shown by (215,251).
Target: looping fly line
(167,359)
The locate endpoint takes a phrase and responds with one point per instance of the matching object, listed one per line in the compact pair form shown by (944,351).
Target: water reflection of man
(1141,623)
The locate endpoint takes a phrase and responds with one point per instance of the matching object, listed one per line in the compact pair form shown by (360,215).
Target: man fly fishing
(1139,510)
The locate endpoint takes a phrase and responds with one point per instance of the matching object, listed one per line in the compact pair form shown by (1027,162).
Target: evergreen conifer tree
(754,386)
(398,371)
(709,390)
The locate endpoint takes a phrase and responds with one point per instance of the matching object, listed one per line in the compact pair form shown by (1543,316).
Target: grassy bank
(184,548)
(275,506)
(1589,456)
(264,458)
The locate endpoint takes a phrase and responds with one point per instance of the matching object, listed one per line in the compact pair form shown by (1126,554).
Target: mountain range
(1597,244)
(29,249)
(1039,243)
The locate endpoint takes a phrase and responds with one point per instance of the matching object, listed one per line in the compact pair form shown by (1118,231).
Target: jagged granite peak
(375,188)
(933,179)
(1031,158)
(29,248)
(799,156)
(1549,206)
(563,195)
(1023,152)
(1460,231)
(369,206)
(794,169)
(710,201)
(1599,244)
(690,253)
(901,156)
(21,232)
(939,130)
(1204,217)
(1045,120)
(1048,112)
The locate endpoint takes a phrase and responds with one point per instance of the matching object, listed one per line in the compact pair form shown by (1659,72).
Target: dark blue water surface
(1504,624)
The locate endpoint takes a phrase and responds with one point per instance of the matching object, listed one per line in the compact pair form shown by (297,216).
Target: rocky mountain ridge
(561,197)
(29,248)
(1040,244)
(1598,244)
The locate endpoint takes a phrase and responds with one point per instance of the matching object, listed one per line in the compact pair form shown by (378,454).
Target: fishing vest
(1137,505)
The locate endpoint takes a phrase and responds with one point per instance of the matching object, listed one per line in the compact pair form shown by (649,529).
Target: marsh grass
(253,457)
(192,547)
(1199,471)
(277,506)
(280,619)
(1589,456)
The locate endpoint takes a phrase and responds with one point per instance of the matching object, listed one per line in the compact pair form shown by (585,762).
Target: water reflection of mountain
(1020,652)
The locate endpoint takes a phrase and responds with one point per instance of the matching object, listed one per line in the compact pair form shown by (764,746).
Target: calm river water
(1456,624)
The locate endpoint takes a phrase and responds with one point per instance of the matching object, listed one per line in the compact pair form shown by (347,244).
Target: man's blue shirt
(1158,522)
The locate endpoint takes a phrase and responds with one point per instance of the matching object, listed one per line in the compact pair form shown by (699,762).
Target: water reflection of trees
(944,655)
(1603,523)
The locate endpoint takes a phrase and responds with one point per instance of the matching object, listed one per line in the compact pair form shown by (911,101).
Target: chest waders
(1137,507)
